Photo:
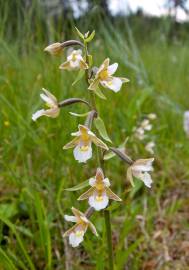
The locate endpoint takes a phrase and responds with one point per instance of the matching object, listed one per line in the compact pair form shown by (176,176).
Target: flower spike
(105,78)
(51,102)
(140,169)
(82,143)
(74,61)
(99,193)
(76,233)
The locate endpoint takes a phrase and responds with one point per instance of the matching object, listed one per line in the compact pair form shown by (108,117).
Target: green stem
(100,162)
(109,238)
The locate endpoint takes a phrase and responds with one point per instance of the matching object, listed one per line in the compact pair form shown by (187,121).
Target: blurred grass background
(150,227)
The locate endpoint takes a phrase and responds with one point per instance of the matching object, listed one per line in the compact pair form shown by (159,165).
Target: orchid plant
(99,194)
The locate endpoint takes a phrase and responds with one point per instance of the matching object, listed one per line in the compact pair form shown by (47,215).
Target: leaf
(109,155)
(5,261)
(91,36)
(79,186)
(99,93)
(80,75)
(44,231)
(99,124)
(79,33)
(8,210)
(20,242)
(79,114)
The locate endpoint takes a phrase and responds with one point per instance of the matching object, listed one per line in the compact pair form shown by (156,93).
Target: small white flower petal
(75,238)
(146,178)
(47,99)
(143,165)
(92,182)
(149,147)
(98,202)
(112,68)
(113,84)
(38,114)
(70,218)
(81,155)
(106,182)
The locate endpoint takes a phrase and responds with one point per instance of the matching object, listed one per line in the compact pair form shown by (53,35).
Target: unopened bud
(54,49)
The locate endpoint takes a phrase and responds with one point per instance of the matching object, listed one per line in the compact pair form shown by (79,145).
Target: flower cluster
(141,132)
(99,194)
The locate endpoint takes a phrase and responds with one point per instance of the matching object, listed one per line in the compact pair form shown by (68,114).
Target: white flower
(146,125)
(54,49)
(99,193)
(82,143)
(140,169)
(74,61)
(76,233)
(105,78)
(149,147)
(186,122)
(139,133)
(152,116)
(51,102)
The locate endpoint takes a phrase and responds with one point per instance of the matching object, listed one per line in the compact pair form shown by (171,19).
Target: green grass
(35,170)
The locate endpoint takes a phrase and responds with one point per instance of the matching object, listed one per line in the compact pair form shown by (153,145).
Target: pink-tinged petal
(72,144)
(87,194)
(98,202)
(38,114)
(70,218)
(83,129)
(112,195)
(82,155)
(112,68)
(99,175)
(53,112)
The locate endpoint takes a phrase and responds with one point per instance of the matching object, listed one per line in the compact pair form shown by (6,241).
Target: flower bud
(54,49)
